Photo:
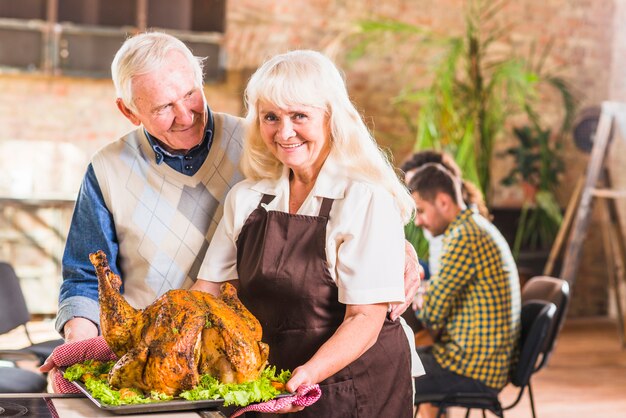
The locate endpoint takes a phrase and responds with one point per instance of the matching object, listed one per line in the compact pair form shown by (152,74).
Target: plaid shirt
(474,302)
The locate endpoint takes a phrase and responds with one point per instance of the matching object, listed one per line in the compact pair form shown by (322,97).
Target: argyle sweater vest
(163,219)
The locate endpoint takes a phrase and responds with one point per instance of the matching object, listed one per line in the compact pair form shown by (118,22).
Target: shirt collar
(460,218)
(331,181)
(160,153)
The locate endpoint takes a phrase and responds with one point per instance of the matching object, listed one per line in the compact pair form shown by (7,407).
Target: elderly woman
(313,239)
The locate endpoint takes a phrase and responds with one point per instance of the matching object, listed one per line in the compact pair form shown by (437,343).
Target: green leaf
(209,388)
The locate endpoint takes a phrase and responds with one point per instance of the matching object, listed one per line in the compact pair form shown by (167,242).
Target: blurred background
(420,71)
(512,89)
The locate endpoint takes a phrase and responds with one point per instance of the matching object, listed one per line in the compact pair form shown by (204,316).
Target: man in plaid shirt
(472,306)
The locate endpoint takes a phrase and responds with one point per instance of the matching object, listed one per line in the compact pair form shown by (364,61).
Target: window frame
(54,46)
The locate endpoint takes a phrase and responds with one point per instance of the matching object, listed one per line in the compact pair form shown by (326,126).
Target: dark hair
(433,178)
(420,158)
(472,196)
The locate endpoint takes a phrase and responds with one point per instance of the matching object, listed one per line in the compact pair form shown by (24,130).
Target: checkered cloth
(306,395)
(77,352)
(51,408)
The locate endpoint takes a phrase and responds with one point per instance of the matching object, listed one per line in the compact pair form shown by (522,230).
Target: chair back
(537,319)
(13,309)
(549,289)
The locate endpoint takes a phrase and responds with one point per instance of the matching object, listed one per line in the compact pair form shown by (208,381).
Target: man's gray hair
(143,53)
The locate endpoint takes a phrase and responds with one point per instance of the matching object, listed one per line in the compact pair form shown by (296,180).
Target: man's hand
(78,329)
(71,353)
(413,274)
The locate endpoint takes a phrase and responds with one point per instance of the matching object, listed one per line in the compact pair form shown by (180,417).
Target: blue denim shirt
(93,228)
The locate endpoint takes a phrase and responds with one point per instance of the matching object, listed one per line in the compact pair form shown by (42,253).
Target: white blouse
(364,234)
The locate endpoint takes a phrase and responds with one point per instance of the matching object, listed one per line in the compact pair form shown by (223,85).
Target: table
(52,405)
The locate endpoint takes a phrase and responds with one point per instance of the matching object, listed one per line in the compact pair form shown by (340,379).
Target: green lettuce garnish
(89,367)
(239,394)
(93,373)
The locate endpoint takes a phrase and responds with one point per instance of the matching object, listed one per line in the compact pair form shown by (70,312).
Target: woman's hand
(299,377)
(413,273)
(208,286)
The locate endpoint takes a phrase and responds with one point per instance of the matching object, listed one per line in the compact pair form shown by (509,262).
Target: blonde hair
(143,53)
(309,78)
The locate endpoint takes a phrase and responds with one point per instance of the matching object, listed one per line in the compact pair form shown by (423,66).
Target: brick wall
(589,47)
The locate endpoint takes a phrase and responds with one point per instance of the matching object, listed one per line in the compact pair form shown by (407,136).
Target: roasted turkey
(183,334)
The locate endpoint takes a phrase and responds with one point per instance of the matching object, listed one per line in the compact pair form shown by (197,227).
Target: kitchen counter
(53,405)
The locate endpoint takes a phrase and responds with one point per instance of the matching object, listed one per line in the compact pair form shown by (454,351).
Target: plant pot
(531,263)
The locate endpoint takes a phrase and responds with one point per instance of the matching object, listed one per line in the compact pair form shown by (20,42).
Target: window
(80,37)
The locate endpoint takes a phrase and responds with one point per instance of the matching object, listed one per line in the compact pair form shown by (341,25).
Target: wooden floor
(585,377)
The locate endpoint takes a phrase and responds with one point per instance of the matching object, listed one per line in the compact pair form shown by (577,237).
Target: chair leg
(532,401)
(443,412)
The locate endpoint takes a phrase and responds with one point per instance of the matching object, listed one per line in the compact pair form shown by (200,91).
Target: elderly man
(472,306)
(151,200)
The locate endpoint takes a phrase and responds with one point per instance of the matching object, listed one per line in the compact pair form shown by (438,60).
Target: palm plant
(475,91)
(537,164)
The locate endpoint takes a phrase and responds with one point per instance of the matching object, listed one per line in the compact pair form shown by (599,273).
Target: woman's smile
(298,136)
(290,146)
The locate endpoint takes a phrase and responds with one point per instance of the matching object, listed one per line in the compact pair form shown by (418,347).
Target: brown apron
(284,281)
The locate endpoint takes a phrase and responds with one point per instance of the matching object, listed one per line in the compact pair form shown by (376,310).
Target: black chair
(13,314)
(16,380)
(553,290)
(537,319)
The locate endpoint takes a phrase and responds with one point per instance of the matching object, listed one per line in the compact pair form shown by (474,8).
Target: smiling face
(298,136)
(169,104)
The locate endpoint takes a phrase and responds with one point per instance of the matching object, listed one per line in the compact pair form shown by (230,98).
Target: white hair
(309,78)
(143,53)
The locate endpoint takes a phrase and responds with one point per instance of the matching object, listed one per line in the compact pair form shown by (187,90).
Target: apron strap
(327,204)
(267,198)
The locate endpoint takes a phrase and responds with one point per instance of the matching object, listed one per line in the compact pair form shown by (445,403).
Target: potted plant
(475,91)
(537,164)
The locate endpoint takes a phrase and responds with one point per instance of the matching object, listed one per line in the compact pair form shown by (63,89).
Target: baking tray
(159,406)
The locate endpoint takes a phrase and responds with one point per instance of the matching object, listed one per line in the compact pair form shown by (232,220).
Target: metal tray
(178,404)
(159,406)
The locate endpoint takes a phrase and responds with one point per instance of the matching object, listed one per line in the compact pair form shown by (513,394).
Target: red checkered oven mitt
(77,352)
(306,395)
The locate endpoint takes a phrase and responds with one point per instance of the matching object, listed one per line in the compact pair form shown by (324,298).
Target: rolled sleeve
(77,307)
(370,256)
